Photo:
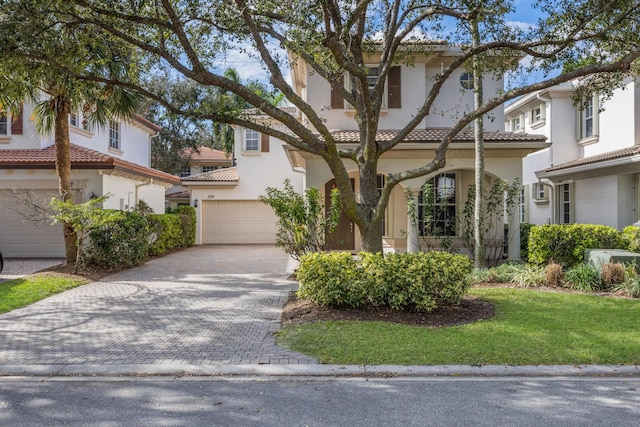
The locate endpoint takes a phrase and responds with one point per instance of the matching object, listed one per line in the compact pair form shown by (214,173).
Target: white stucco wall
(596,201)
(125,193)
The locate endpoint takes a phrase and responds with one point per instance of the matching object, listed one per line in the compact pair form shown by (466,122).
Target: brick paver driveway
(204,305)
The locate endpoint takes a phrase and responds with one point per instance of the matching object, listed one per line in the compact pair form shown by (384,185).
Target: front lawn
(530,327)
(18,293)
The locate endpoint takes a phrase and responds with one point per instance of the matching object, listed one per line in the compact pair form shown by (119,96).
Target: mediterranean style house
(226,200)
(406,89)
(114,160)
(589,171)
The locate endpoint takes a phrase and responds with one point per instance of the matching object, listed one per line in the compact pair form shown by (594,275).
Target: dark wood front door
(343,237)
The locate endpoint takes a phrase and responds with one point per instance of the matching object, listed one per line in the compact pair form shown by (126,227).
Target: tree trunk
(63,169)
(371,231)
(478,211)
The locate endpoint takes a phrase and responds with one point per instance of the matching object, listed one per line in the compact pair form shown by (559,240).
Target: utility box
(598,257)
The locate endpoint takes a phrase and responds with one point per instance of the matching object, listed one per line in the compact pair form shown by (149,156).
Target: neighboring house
(226,200)
(590,171)
(112,160)
(201,161)
(407,87)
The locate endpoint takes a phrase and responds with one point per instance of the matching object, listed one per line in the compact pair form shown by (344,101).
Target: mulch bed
(296,311)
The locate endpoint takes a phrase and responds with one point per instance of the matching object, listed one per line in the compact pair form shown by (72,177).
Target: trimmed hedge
(168,229)
(188,225)
(411,281)
(566,243)
(525,230)
(122,243)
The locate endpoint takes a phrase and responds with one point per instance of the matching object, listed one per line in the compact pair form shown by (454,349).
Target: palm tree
(57,95)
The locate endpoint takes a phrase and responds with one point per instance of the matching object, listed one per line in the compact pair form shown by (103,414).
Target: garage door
(22,239)
(237,222)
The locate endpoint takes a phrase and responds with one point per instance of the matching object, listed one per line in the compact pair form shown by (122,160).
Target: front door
(343,237)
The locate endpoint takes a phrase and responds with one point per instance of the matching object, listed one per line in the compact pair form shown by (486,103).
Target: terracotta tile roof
(218,175)
(256,112)
(179,195)
(436,134)
(147,123)
(81,158)
(612,155)
(208,154)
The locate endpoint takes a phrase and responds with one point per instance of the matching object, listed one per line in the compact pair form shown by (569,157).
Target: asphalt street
(323,401)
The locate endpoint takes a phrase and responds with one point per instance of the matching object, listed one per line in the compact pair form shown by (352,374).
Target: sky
(249,70)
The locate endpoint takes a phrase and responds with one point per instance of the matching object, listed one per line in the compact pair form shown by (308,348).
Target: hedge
(411,281)
(566,243)
(122,243)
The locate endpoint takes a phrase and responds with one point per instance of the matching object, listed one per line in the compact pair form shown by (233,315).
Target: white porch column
(412,228)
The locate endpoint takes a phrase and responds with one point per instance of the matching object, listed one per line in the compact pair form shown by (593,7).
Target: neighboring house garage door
(237,221)
(22,239)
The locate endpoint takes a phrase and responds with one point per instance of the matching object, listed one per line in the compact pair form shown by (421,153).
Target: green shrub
(331,279)
(584,277)
(420,281)
(566,243)
(525,229)
(188,225)
(168,232)
(503,273)
(122,242)
(631,238)
(529,275)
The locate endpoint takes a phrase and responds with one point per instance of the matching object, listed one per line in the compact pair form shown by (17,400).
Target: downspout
(136,192)
(552,199)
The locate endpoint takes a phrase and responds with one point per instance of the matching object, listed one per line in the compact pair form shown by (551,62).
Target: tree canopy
(193,38)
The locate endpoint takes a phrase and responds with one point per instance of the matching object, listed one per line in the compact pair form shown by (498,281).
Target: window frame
(114,135)
(4,123)
(466,80)
(537,118)
(588,112)
(185,172)
(246,140)
(565,203)
(210,168)
(517,119)
(349,82)
(440,212)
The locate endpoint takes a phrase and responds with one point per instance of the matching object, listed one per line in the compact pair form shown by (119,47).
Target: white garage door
(237,222)
(22,239)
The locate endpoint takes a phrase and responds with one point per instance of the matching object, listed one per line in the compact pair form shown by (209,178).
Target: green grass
(530,327)
(27,290)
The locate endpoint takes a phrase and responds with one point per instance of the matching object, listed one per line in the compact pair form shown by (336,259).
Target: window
(373,74)
(522,205)
(437,206)
(210,168)
(516,124)
(73,119)
(251,140)
(186,171)
(114,135)
(538,191)
(537,114)
(466,80)
(392,93)
(588,119)
(4,128)
(564,204)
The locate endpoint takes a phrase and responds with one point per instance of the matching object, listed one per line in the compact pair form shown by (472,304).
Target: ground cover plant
(529,327)
(21,292)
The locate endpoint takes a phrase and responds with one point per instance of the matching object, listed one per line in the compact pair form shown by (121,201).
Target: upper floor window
(466,80)
(516,124)
(538,191)
(392,89)
(251,140)
(4,128)
(186,171)
(210,168)
(588,119)
(114,134)
(537,114)
(73,119)
(437,206)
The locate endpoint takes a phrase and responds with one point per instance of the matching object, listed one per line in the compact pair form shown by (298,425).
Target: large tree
(56,95)
(337,37)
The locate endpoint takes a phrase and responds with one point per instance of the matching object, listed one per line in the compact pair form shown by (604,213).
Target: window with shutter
(264,143)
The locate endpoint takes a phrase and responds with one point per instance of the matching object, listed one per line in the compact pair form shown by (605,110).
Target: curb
(331,371)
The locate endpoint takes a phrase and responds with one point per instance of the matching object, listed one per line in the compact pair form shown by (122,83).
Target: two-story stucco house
(113,160)
(589,172)
(227,200)
(406,89)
